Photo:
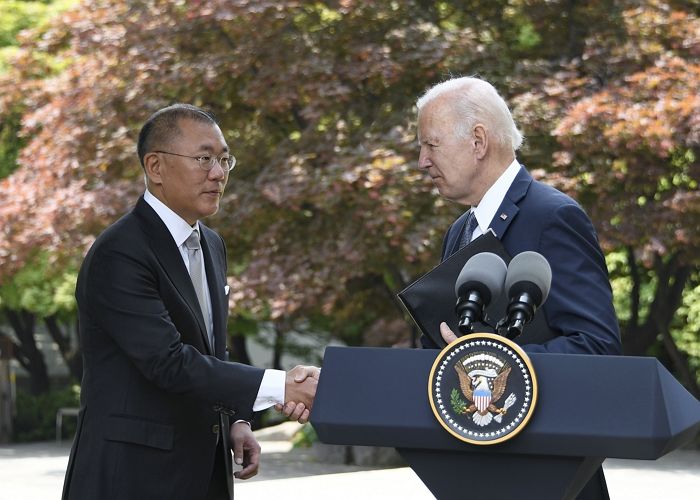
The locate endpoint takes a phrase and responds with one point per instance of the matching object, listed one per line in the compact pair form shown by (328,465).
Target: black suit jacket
(578,314)
(154,399)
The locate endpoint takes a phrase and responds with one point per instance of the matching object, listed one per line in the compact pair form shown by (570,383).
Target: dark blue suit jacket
(579,310)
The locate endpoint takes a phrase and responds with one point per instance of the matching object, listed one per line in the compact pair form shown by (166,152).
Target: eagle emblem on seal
(482,380)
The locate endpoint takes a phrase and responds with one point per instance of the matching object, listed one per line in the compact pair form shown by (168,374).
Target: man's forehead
(430,126)
(206,135)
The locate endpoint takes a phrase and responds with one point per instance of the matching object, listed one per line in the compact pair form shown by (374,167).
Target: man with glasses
(157,391)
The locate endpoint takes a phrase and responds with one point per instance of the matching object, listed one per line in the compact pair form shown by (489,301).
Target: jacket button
(215,428)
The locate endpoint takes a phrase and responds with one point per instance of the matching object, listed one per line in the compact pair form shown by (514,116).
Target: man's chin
(451,196)
(209,210)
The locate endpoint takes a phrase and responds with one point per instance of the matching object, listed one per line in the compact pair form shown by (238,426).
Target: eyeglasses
(208,162)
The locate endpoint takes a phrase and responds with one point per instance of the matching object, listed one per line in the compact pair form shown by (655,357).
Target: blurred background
(327,216)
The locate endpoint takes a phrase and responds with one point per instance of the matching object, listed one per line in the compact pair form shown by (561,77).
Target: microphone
(480,280)
(528,281)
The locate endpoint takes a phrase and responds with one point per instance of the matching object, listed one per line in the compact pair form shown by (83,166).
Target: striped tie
(468,230)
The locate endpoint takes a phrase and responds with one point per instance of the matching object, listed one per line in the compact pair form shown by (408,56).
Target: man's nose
(217,171)
(424,159)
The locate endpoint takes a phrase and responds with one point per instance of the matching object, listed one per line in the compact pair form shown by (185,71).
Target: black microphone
(480,280)
(528,281)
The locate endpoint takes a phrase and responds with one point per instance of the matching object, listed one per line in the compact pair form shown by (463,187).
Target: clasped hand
(299,392)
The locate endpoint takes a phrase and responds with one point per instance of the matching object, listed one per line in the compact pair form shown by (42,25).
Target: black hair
(162,126)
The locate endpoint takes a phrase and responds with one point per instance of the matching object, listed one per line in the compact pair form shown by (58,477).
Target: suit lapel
(216,282)
(509,209)
(165,250)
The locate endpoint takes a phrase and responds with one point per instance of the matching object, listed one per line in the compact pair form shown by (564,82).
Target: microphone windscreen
(486,269)
(530,267)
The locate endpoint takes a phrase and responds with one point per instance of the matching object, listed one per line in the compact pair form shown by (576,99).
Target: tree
(628,147)
(327,216)
(25,295)
(307,128)
(39,292)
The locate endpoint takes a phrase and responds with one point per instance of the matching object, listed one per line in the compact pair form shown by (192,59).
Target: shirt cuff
(271,390)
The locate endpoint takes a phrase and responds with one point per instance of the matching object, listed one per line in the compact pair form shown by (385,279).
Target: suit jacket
(578,312)
(155,400)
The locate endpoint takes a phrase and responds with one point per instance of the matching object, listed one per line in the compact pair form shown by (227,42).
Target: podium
(589,408)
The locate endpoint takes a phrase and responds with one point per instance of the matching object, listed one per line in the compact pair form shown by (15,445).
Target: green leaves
(459,406)
(328,215)
(40,287)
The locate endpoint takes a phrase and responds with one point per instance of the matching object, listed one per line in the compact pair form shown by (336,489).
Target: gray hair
(475,100)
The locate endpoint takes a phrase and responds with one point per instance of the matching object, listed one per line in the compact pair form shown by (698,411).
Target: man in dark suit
(468,141)
(157,392)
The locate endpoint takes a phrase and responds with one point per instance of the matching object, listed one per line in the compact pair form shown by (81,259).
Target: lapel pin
(503,216)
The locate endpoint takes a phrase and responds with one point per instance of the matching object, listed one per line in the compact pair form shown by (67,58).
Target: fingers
(238,451)
(301,373)
(251,464)
(298,412)
(301,392)
(295,411)
(240,435)
(246,450)
(447,334)
(291,408)
(252,459)
(304,417)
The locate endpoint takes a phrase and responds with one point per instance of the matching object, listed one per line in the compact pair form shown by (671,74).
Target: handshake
(299,392)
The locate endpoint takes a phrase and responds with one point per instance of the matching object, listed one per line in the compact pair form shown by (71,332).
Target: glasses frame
(200,159)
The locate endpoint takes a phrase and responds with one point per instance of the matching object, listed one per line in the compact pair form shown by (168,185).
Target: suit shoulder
(548,192)
(555,209)
(122,235)
(546,199)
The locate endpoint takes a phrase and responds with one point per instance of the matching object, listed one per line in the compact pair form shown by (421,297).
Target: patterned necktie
(197,277)
(468,230)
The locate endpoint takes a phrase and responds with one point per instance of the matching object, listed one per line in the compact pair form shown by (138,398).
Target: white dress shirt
(485,211)
(271,389)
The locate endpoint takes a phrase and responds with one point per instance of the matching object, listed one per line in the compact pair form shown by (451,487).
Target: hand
(246,450)
(299,393)
(447,334)
(294,411)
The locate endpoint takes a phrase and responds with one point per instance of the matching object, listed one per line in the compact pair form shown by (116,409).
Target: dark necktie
(470,226)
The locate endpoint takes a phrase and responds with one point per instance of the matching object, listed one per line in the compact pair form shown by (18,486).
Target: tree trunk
(71,354)
(27,353)
(639,338)
(278,348)
(239,349)
(681,365)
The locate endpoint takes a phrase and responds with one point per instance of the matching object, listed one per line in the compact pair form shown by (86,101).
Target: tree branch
(62,340)
(680,362)
(634,292)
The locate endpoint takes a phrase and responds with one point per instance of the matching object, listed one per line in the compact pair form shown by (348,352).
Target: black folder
(431,298)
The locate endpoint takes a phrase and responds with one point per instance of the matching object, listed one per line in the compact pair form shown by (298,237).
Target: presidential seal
(482,388)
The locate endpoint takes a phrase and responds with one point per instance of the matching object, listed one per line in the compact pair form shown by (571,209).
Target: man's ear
(480,141)
(152,164)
